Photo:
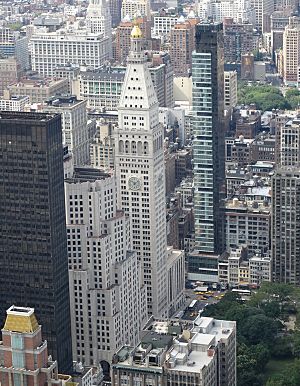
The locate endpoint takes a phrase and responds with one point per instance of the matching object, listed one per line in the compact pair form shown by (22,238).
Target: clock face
(134,183)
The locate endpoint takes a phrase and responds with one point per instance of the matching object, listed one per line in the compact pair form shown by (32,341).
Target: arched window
(139,148)
(146,148)
(133,147)
(121,146)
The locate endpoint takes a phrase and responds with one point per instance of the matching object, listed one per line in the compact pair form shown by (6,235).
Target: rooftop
(85,174)
(20,319)
(24,116)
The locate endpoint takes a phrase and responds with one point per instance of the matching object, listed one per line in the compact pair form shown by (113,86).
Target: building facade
(141,174)
(39,90)
(33,243)
(208,108)
(14,103)
(104,271)
(169,354)
(76,133)
(285,223)
(10,72)
(182,44)
(24,352)
(230,90)
(134,8)
(98,20)
(291,51)
(55,49)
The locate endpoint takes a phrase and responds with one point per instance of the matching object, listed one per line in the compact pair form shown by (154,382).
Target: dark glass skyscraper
(33,244)
(209,147)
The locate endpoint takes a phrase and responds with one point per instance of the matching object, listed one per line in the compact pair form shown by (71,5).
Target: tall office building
(134,8)
(141,175)
(115,11)
(263,11)
(208,112)
(285,229)
(77,132)
(104,272)
(33,243)
(291,51)
(98,20)
(288,143)
(240,10)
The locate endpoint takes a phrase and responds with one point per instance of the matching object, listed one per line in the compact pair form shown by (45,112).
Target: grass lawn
(276,366)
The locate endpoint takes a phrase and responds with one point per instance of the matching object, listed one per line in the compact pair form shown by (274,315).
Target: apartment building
(247,223)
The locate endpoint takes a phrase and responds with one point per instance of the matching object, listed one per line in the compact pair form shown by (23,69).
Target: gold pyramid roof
(20,319)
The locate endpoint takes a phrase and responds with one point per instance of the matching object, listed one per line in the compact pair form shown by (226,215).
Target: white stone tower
(107,294)
(141,175)
(98,19)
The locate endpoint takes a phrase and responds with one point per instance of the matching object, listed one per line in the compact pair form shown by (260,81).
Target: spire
(136,53)
(136,32)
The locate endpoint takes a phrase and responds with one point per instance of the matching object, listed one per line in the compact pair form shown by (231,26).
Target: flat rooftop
(87,174)
(24,116)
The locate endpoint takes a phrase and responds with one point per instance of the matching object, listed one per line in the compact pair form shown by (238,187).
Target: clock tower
(141,175)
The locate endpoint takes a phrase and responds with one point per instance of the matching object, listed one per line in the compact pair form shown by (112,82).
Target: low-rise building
(247,123)
(39,89)
(201,353)
(14,102)
(236,268)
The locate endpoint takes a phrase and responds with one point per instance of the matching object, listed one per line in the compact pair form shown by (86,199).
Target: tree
(259,328)
(283,347)
(293,97)
(264,96)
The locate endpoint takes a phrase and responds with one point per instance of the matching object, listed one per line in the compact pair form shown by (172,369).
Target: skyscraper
(291,51)
(33,245)
(140,173)
(98,19)
(208,111)
(263,11)
(285,229)
(108,305)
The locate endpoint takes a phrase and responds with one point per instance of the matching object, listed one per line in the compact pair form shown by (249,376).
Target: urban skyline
(149,156)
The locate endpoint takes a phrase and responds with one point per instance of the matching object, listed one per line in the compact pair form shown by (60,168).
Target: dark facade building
(208,127)
(285,228)
(33,244)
